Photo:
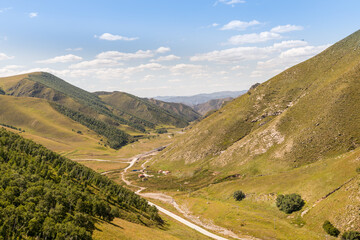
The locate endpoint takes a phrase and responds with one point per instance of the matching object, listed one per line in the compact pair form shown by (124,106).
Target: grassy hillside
(45,125)
(297,132)
(180,109)
(50,87)
(44,195)
(144,109)
(300,116)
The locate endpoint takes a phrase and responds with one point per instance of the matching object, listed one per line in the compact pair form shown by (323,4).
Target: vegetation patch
(351,235)
(330,229)
(289,203)
(239,195)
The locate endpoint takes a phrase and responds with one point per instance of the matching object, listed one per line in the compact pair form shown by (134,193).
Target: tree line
(116,138)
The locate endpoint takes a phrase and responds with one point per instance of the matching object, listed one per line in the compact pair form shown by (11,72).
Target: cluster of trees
(289,203)
(45,195)
(115,137)
(2,92)
(333,231)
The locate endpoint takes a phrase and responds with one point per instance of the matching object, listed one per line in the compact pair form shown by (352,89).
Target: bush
(330,229)
(161,130)
(351,235)
(289,203)
(239,195)
(358,170)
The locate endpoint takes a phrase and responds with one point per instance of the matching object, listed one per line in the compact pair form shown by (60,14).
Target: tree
(239,195)
(330,229)
(289,203)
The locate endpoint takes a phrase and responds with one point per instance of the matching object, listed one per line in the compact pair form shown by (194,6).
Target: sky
(168,47)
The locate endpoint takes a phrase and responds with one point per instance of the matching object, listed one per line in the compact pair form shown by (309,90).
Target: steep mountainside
(180,109)
(144,109)
(299,132)
(200,98)
(46,196)
(304,114)
(211,105)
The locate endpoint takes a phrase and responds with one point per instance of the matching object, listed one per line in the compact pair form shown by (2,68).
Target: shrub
(239,195)
(330,229)
(289,203)
(351,235)
(161,130)
(358,170)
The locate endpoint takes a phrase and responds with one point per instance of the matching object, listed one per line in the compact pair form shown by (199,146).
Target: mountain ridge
(200,98)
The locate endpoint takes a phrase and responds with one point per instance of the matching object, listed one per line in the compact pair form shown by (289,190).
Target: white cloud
(286,28)
(74,49)
(3,56)
(61,59)
(229,2)
(163,50)
(261,73)
(291,57)
(166,58)
(33,14)
(184,67)
(253,38)
(121,56)
(239,67)
(290,44)
(140,54)
(214,24)
(234,54)
(303,52)
(174,80)
(96,63)
(111,37)
(239,25)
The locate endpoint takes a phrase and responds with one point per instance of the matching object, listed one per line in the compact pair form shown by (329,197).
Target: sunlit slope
(47,126)
(144,109)
(300,116)
(47,86)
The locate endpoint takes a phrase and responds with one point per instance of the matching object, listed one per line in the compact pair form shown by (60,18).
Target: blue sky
(173,47)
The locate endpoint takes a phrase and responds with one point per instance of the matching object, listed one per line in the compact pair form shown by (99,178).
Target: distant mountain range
(200,98)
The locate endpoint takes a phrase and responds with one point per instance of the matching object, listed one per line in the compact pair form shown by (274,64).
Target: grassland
(120,229)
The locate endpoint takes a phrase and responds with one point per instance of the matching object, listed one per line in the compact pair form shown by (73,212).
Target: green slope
(47,126)
(50,87)
(145,109)
(44,195)
(308,112)
(297,132)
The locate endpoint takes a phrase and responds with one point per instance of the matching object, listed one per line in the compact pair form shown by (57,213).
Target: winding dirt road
(168,199)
